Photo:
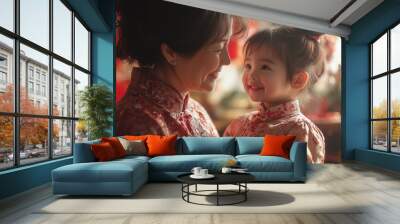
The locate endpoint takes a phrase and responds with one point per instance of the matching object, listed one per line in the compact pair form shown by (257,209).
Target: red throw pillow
(116,145)
(277,145)
(161,145)
(103,151)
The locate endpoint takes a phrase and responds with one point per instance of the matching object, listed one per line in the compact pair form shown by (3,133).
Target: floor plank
(377,189)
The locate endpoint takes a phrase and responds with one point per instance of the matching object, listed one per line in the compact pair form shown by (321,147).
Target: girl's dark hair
(145,25)
(299,49)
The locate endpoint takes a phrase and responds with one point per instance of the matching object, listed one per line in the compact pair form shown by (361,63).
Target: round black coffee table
(238,179)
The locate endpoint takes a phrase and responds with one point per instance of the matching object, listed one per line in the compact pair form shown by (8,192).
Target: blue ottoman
(119,177)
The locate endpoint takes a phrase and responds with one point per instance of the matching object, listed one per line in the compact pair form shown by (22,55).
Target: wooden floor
(378,188)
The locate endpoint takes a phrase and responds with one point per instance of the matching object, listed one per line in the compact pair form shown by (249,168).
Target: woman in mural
(176,49)
(279,64)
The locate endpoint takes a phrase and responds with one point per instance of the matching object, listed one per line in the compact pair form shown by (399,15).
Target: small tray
(208,176)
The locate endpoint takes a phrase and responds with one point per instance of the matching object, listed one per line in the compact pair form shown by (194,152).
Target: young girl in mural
(279,64)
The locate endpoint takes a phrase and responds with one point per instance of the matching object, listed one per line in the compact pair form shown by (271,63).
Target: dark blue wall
(101,24)
(24,178)
(103,60)
(356,85)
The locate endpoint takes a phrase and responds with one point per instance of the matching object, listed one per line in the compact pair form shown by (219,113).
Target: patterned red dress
(150,106)
(283,119)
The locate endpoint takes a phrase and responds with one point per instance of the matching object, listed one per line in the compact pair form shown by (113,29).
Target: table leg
(245,193)
(188,189)
(182,189)
(217,194)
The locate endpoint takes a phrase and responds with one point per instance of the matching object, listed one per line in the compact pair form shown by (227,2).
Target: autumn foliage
(380,127)
(33,131)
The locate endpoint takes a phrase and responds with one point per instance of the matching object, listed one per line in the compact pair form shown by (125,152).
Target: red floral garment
(151,106)
(283,119)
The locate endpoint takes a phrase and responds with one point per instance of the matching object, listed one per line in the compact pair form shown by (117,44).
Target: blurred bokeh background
(321,102)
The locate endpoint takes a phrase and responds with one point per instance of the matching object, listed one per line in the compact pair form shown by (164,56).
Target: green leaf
(96,102)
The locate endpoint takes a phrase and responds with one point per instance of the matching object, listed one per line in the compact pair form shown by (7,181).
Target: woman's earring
(173,62)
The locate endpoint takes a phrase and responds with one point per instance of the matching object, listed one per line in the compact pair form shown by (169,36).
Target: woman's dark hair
(145,25)
(298,49)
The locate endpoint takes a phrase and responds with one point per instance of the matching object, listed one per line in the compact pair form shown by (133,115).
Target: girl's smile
(265,78)
(253,88)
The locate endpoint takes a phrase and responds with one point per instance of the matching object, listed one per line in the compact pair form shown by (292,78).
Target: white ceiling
(314,15)
(320,9)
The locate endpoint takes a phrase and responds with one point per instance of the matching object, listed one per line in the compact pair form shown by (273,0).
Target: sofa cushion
(249,145)
(111,171)
(277,145)
(134,147)
(103,151)
(83,152)
(116,145)
(132,158)
(161,145)
(257,163)
(185,163)
(135,157)
(206,145)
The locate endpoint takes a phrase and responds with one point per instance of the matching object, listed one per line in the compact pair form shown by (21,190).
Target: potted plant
(96,103)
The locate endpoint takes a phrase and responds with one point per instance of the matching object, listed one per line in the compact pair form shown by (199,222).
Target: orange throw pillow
(116,145)
(103,151)
(277,145)
(161,145)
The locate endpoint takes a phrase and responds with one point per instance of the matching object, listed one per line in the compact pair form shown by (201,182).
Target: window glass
(81,45)
(81,131)
(379,97)
(379,135)
(7,14)
(62,29)
(62,137)
(62,91)
(395,95)
(395,136)
(379,56)
(6,74)
(81,82)
(6,142)
(395,47)
(34,21)
(33,139)
(39,62)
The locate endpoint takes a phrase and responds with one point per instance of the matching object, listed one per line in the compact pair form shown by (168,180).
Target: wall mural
(193,72)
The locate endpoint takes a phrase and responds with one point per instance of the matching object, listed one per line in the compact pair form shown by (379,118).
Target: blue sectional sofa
(126,175)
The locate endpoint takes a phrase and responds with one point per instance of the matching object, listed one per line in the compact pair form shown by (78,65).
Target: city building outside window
(3,72)
(38,89)
(3,60)
(3,78)
(30,87)
(43,90)
(30,72)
